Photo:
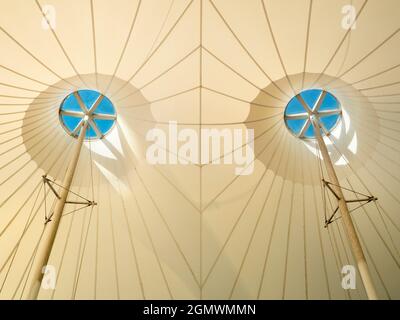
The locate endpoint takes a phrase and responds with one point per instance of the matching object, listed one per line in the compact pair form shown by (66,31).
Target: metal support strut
(363,201)
(50,183)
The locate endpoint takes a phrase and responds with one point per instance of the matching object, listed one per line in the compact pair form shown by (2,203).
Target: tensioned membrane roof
(199,231)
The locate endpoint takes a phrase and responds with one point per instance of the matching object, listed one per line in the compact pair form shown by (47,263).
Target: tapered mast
(51,227)
(345,214)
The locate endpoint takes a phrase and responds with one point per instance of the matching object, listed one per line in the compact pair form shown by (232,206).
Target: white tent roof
(199,231)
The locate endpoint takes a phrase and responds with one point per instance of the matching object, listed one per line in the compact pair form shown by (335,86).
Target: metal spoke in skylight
(315,103)
(91,106)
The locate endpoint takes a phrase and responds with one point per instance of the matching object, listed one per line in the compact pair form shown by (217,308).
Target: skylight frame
(88,112)
(313,111)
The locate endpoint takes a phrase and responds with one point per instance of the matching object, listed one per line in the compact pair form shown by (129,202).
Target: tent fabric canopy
(199,231)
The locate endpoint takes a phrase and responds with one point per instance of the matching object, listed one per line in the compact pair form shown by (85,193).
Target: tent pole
(51,227)
(345,214)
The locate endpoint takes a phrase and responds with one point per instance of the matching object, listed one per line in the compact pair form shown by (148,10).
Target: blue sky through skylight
(71,113)
(298,120)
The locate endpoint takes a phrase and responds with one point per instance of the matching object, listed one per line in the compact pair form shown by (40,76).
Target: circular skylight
(91,106)
(309,104)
